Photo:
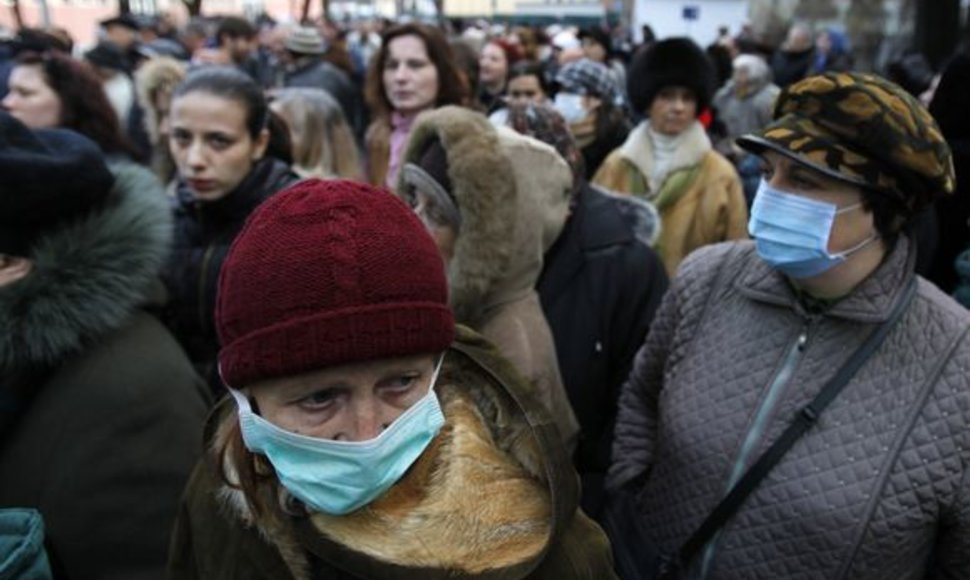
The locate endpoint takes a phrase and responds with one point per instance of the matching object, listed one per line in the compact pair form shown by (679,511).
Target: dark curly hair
(84,105)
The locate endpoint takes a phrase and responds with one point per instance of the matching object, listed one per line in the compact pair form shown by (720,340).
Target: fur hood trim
(157,73)
(638,150)
(88,275)
(486,500)
(512,192)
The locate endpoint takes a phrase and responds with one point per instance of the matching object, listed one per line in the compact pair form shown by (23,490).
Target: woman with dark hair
(669,160)
(528,83)
(810,377)
(222,146)
(53,90)
(592,104)
(414,70)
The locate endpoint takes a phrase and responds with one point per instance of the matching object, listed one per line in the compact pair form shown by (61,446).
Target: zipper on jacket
(792,357)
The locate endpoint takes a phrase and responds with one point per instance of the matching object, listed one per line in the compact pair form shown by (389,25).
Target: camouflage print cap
(862,129)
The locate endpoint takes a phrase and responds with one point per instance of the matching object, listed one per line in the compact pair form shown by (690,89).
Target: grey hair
(756,67)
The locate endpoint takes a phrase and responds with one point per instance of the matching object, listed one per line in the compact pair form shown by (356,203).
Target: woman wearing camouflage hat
(818,343)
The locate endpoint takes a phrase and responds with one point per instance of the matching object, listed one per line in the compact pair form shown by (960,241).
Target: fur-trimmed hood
(487,500)
(513,195)
(88,275)
(157,73)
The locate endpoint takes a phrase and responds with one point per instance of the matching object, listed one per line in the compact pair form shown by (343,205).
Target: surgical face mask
(792,232)
(570,106)
(338,477)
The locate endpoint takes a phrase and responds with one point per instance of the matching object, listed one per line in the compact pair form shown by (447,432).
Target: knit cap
(47,177)
(587,77)
(862,129)
(327,273)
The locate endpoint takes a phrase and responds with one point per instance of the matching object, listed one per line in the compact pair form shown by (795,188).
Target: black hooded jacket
(203,233)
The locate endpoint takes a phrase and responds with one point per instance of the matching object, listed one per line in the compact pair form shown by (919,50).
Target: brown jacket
(878,488)
(493,497)
(512,192)
(699,197)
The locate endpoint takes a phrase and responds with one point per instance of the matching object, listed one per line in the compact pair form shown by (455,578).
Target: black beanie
(48,176)
(671,62)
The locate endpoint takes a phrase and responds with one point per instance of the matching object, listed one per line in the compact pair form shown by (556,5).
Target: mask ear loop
(875,236)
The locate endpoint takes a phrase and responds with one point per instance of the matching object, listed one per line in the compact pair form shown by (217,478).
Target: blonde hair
(323,144)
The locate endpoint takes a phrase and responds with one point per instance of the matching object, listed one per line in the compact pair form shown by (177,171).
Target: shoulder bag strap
(803,420)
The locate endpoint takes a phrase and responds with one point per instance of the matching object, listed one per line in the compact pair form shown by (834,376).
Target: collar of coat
(871,301)
(486,500)
(638,150)
(267,176)
(88,275)
(513,195)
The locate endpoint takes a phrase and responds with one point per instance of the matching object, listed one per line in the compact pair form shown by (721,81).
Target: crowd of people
(401,300)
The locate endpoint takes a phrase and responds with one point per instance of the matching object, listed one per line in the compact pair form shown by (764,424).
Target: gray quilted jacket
(878,489)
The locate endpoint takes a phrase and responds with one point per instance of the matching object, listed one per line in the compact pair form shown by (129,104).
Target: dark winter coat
(789,67)
(319,74)
(878,488)
(949,108)
(600,285)
(203,233)
(493,497)
(108,410)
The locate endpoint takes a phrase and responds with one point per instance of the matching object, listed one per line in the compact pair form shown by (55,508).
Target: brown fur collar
(477,500)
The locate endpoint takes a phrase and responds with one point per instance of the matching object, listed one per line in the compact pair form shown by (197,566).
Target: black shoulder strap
(803,420)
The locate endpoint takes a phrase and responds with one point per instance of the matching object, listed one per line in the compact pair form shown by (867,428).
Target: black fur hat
(48,176)
(671,62)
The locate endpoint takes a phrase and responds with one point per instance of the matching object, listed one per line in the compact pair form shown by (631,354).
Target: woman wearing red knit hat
(494,62)
(366,435)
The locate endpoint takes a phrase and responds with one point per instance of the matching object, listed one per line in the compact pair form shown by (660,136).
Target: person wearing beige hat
(801,406)
(304,67)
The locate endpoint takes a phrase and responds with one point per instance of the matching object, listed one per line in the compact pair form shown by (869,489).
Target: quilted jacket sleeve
(952,556)
(678,316)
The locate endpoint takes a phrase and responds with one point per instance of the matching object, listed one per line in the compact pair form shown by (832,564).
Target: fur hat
(862,129)
(49,176)
(671,62)
(327,273)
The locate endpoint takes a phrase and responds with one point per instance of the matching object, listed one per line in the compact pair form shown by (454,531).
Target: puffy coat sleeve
(952,555)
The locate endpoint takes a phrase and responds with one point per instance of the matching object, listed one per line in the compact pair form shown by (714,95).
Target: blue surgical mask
(338,477)
(792,232)
(570,106)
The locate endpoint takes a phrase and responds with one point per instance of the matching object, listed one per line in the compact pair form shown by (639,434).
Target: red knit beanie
(326,273)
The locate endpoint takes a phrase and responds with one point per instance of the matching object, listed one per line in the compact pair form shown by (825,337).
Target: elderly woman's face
(351,402)
(850,228)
